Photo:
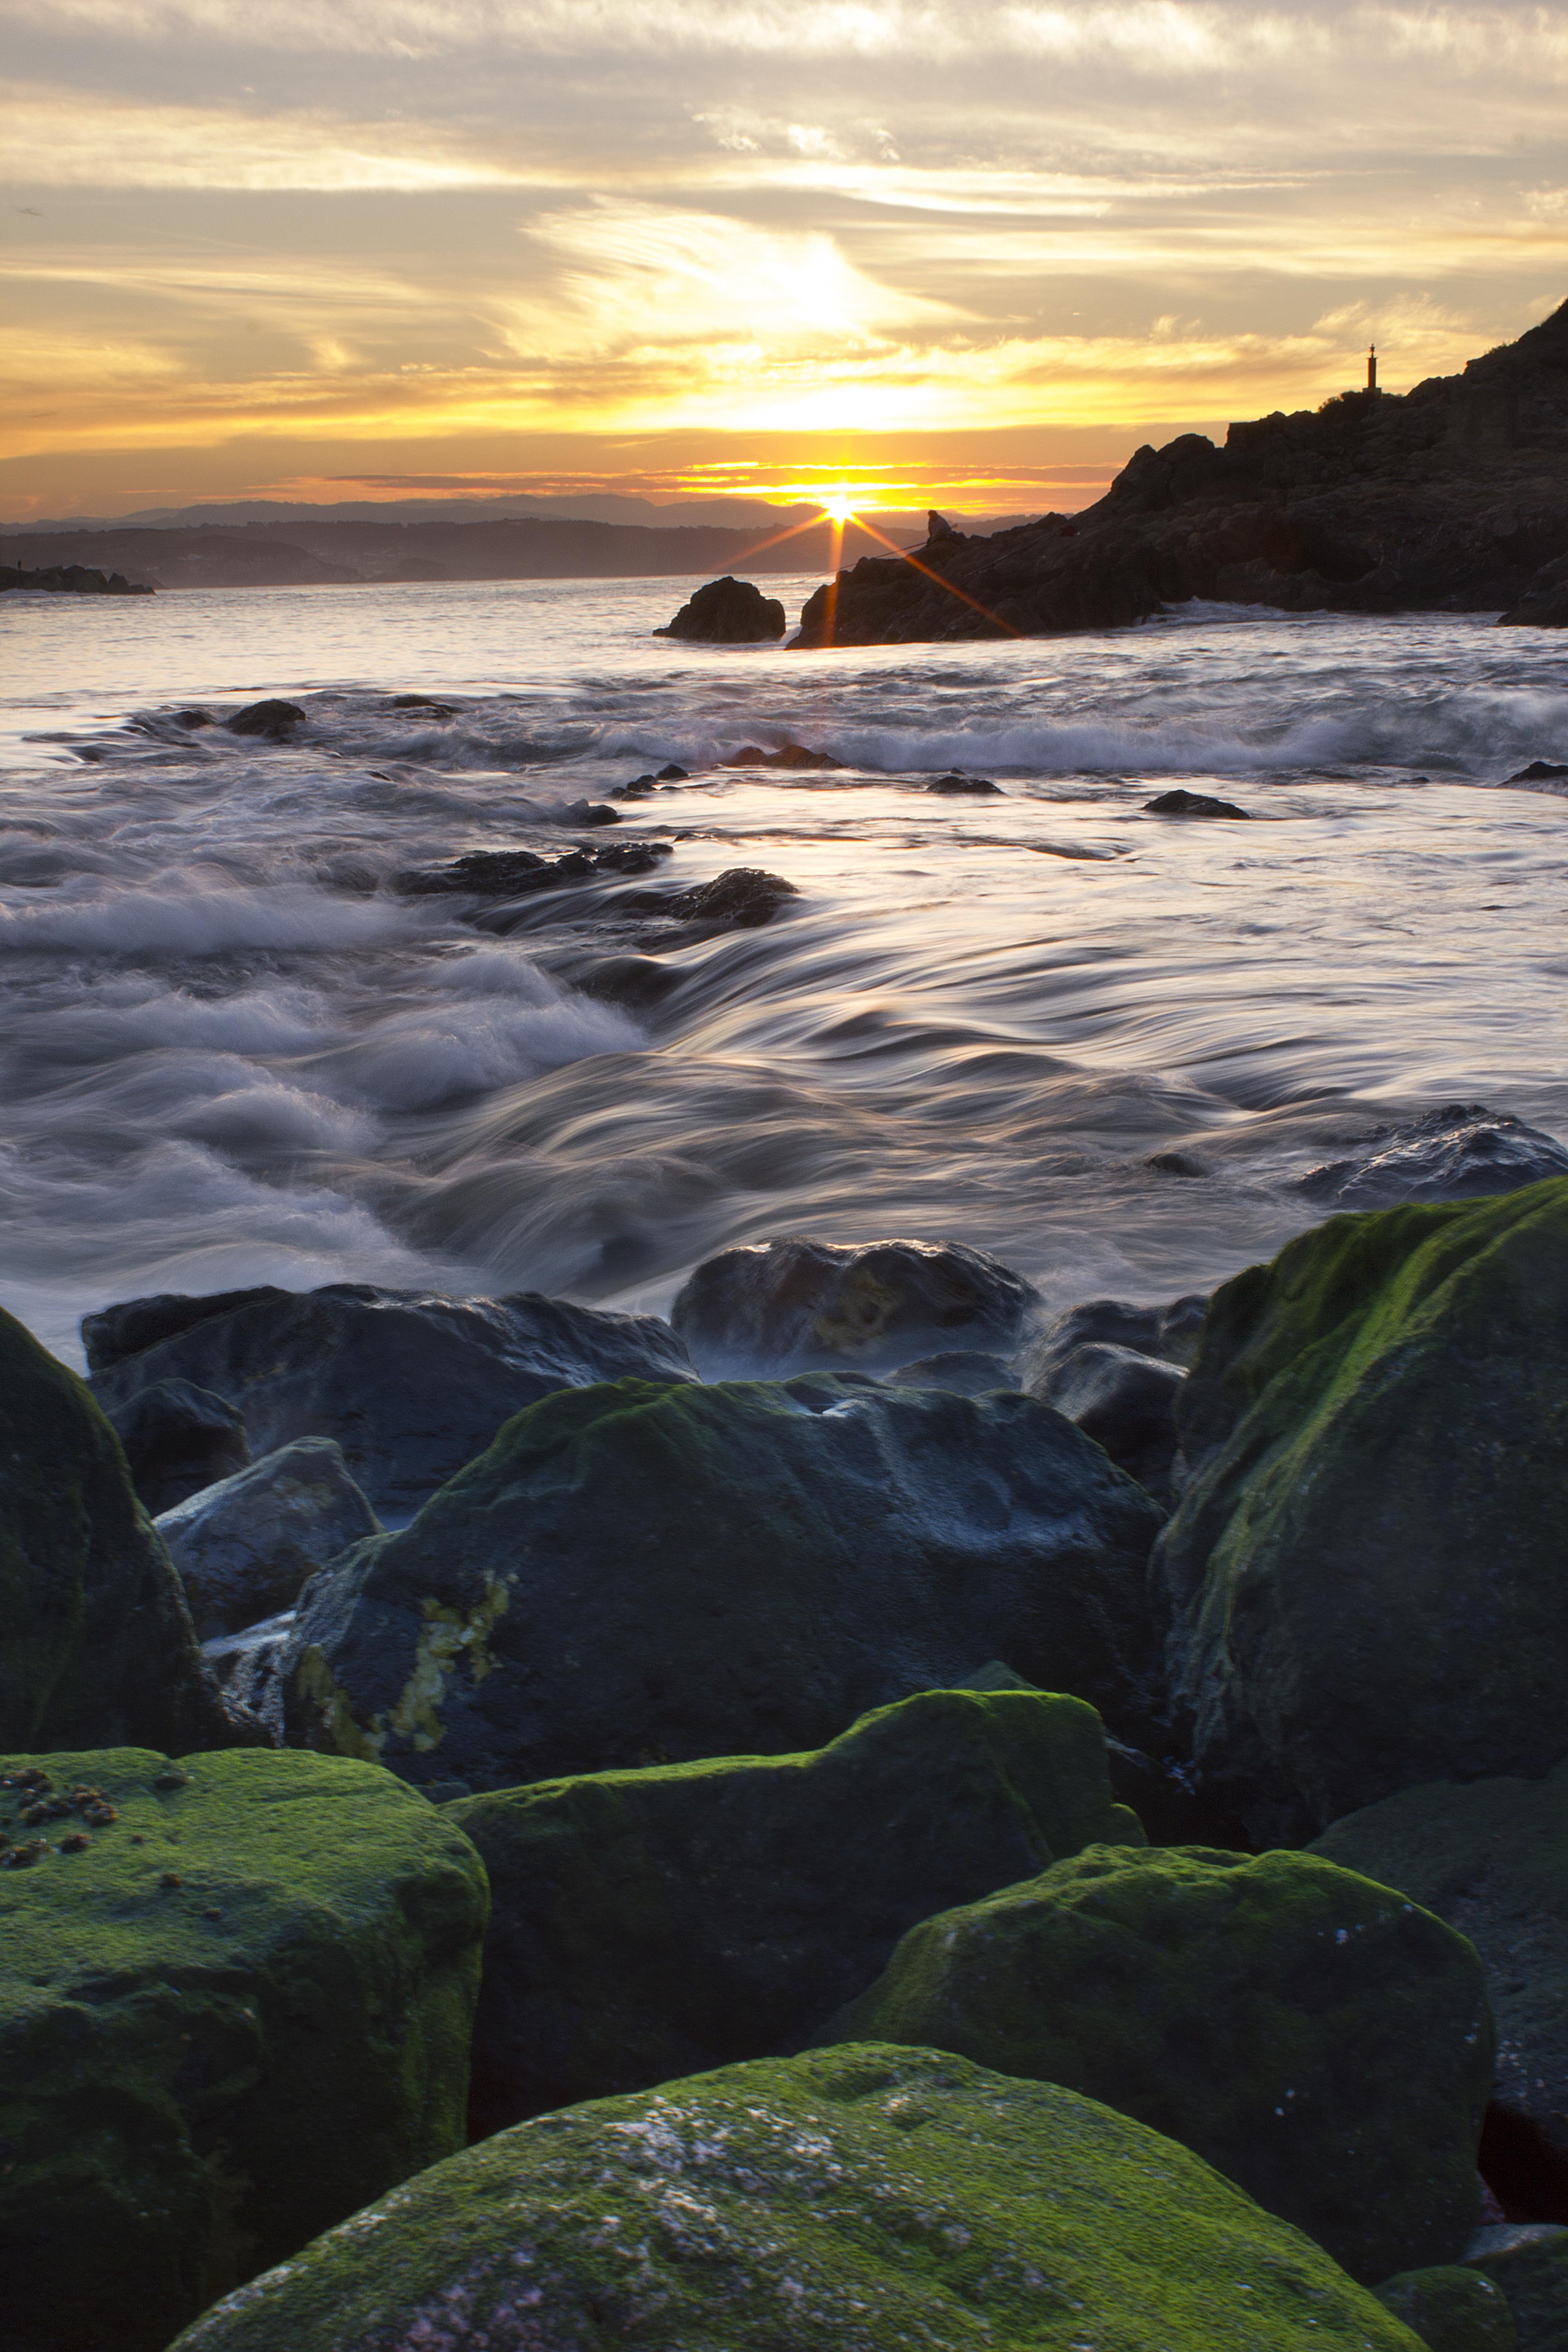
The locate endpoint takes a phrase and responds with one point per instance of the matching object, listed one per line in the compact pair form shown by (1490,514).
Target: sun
(838,509)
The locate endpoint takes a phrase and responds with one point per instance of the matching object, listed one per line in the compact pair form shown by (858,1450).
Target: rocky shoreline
(70,578)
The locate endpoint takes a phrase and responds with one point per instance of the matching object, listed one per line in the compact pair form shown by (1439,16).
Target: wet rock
(639,1573)
(410,1384)
(1365,1564)
(98,1647)
(788,1306)
(236,2014)
(514,873)
(193,719)
(967,1371)
(178,1439)
(637,981)
(426,702)
(652,1924)
(787,756)
(742,898)
(829,2203)
(1540,771)
(1451,2309)
(244,1547)
(588,813)
(248,1667)
(133,1324)
(1123,1400)
(1461,1152)
(728,612)
(1531,2268)
(1179,1163)
(965,784)
(1182,803)
(273,721)
(1317,2039)
(1170,1333)
(1544,604)
(1491,1858)
(673,773)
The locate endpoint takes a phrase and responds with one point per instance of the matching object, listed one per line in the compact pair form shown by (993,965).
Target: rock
(742,898)
(641,1573)
(193,719)
(1451,2309)
(967,1371)
(673,773)
(126,1329)
(1319,2040)
(274,721)
(248,1667)
(516,873)
(1491,1858)
(1531,2268)
(1544,604)
(653,1923)
(787,1305)
(1365,1564)
(426,702)
(1182,803)
(728,612)
(178,1439)
(1170,1334)
(849,2201)
(787,756)
(588,813)
(965,784)
(410,1384)
(99,1646)
(233,2013)
(1540,771)
(70,578)
(1461,1152)
(244,1547)
(1125,1401)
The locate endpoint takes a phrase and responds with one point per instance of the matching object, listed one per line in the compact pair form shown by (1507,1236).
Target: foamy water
(233,1053)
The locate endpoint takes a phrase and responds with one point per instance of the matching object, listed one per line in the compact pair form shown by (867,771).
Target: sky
(933,250)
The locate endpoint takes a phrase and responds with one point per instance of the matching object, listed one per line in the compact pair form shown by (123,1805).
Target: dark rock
(125,1329)
(964,784)
(514,873)
(787,1305)
(638,982)
(1125,1401)
(672,774)
(411,1384)
(1540,771)
(247,1666)
(1531,2268)
(99,1649)
(849,2201)
(637,1573)
(193,719)
(234,2015)
(652,1924)
(1462,1152)
(1365,1564)
(273,721)
(1169,1333)
(728,612)
(966,1372)
(1491,1858)
(743,897)
(1178,1163)
(1451,2309)
(70,578)
(1317,2039)
(1182,803)
(641,788)
(424,702)
(1544,604)
(178,1439)
(244,1547)
(787,756)
(588,813)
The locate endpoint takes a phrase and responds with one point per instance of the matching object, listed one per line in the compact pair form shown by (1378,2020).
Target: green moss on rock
(97,1648)
(1366,1562)
(1451,2309)
(1322,2041)
(852,2201)
(653,1923)
(237,2013)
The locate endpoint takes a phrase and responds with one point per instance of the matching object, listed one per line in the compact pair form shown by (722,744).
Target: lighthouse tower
(1371,369)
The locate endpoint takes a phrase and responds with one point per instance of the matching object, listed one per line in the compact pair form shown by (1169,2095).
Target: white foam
(174,921)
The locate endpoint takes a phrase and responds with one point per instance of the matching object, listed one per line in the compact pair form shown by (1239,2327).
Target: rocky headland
(70,580)
(1451,497)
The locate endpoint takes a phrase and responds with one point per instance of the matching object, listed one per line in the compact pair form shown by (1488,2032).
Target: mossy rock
(1451,2309)
(1322,2042)
(1530,2265)
(642,1574)
(654,1924)
(1491,1858)
(850,2202)
(237,2013)
(1366,1563)
(98,1647)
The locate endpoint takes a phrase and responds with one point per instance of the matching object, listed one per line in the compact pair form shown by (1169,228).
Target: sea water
(1104,1043)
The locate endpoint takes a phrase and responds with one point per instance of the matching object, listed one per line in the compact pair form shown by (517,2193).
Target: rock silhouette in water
(728,612)
(273,721)
(1182,803)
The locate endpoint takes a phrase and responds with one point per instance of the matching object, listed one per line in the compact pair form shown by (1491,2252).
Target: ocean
(1104,1043)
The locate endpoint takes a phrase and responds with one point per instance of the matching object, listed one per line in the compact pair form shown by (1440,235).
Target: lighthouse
(1371,369)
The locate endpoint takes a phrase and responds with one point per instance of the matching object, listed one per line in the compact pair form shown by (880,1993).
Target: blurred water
(233,1053)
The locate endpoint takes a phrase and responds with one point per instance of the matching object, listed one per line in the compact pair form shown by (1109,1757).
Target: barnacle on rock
(78,1842)
(23,1857)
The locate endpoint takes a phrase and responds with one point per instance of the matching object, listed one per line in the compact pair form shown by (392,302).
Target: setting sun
(838,509)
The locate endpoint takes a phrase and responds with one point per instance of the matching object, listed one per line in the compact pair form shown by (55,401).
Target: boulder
(790,757)
(1451,2309)
(273,720)
(518,873)
(1169,1333)
(1539,771)
(1126,1402)
(847,2202)
(967,1371)
(645,1573)
(411,1384)
(653,1923)
(244,1547)
(126,1329)
(792,1305)
(248,1667)
(1319,2040)
(1365,1564)
(1531,2268)
(178,1439)
(742,898)
(1181,802)
(1461,1152)
(953,785)
(1544,604)
(235,2007)
(99,1646)
(1491,1858)
(728,612)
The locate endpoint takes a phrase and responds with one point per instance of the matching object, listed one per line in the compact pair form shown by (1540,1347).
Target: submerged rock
(244,1547)
(787,755)
(1320,2041)
(517,872)
(1365,1564)
(849,2201)
(178,1439)
(742,898)
(410,1384)
(230,2015)
(955,784)
(640,1573)
(788,1306)
(274,721)
(652,1924)
(728,612)
(1181,802)
(1461,1152)
(98,1647)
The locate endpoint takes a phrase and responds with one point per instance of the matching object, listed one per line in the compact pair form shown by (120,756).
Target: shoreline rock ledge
(1450,497)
